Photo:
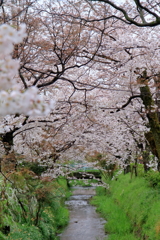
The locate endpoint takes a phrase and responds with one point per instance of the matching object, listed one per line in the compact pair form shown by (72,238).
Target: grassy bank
(32,208)
(131,207)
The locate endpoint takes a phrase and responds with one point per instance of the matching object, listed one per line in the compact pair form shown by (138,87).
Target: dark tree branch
(66,146)
(23,79)
(130,20)
(1,3)
(128,102)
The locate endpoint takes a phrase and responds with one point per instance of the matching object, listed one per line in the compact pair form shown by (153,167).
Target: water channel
(85,223)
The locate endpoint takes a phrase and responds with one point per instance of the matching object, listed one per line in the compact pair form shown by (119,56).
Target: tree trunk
(153,136)
(8,160)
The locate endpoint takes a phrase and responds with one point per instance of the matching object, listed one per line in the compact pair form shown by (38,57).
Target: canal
(85,223)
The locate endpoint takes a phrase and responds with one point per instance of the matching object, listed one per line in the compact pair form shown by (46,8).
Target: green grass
(118,225)
(131,208)
(141,203)
(121,237)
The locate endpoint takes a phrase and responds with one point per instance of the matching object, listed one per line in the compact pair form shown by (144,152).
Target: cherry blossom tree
(147,74)
(35,50)
(136,51)
(14,100)
(94,69)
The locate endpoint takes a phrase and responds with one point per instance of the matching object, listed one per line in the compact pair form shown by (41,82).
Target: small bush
(61,217)
(153,178)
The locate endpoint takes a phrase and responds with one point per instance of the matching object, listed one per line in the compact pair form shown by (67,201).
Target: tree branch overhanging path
(143,12)
(85,57)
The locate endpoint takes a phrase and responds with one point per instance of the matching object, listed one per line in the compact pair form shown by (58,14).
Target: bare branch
(128,102)
(140,9)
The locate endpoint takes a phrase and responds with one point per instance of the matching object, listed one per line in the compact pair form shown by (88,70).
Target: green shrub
(34,167)
(33,207)
(140,170)
(47,223)
(61,217)
(25,232)
(153,178)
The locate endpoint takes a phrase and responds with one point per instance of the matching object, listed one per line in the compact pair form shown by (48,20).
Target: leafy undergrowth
(131,207)
(32,208)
